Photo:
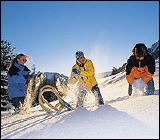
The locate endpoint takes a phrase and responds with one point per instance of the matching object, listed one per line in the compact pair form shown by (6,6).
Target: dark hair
(13,70)
(140,48)
(17,57)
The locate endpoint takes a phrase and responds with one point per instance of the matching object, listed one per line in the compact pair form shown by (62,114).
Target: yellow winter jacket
(87,73)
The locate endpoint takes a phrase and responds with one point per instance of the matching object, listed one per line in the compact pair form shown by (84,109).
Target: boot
(130,90)
(98,95)
(150,87)
(100,99)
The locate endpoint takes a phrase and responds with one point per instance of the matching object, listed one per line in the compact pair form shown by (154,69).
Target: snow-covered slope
(121,117)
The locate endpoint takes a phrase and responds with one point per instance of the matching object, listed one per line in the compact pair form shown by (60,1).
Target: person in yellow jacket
(84,71)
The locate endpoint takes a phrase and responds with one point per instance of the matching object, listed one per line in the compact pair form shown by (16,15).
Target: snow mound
(122,117)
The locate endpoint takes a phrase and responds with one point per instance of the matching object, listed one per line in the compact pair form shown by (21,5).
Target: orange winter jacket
(143,69)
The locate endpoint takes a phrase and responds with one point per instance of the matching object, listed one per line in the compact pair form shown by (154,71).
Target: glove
(76,71)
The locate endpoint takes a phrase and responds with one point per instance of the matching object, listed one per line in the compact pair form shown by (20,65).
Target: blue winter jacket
(17,77)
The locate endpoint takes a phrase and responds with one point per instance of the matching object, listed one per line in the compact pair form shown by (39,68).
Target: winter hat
(78,54)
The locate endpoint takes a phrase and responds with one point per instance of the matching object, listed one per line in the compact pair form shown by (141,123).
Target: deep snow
(121,117)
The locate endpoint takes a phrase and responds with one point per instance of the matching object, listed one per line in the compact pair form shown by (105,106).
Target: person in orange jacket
(140,65)
(84,71)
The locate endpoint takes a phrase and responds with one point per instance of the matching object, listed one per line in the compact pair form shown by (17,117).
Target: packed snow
(122,116)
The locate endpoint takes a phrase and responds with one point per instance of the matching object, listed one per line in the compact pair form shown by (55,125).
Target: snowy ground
(121,117)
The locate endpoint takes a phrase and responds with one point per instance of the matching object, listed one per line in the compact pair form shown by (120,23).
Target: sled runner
(48,106)
(42,90)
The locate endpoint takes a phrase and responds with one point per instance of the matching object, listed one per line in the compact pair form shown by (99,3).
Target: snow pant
(17,101)
(137,73)
(96,91)
(81,96)
(150,88)
(97,94)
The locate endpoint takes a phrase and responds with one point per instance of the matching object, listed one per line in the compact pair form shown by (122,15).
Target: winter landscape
(122,116)
(50,33)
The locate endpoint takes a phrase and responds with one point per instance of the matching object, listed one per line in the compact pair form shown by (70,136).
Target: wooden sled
(50,106)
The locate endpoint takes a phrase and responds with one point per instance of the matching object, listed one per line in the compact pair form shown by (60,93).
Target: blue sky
(51,32)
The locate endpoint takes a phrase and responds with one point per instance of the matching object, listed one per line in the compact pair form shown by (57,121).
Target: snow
(122,116)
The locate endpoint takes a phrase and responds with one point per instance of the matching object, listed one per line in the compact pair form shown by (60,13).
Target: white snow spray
(30,90)
(138,87)
(99,57)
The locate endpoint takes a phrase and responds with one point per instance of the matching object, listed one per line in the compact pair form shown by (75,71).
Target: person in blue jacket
(17,80)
